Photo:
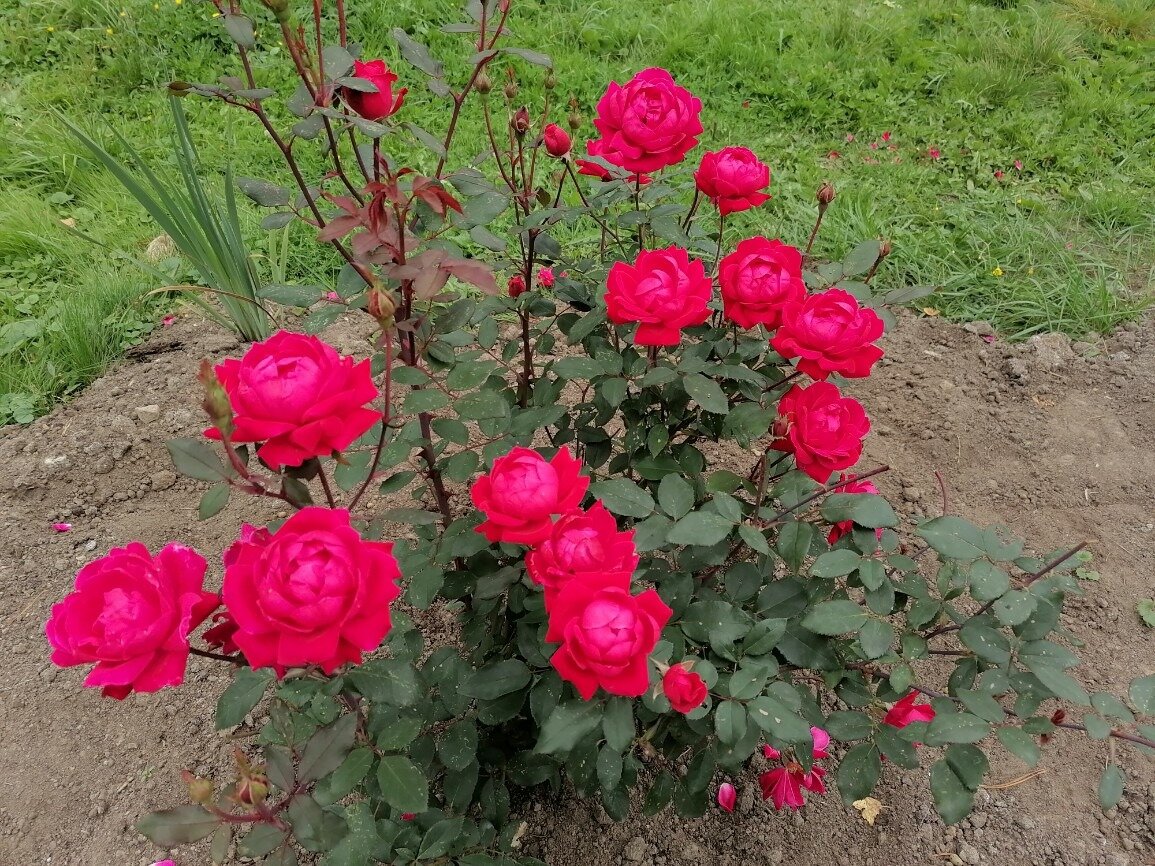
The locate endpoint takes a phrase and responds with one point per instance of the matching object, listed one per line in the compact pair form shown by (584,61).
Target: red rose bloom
(606,635)
(312,593)
(663,290)
(821,428)
(829,333)
(523,491)
(733,178)
(582,544)
(648,123)
(557,141)
(379,105)
(758,280)
(906,711)
(130,615)
(220,636)
(298,396)
(516,286)
(843,527)
(685,690)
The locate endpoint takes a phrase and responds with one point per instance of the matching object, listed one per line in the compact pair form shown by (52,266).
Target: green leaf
(417,54)
(291,296)
(529,55)
(753,538)
(1015,607)
(703,528)
(213,500)
(440,837)
(458,746)
(847,726)
(578,367)
(1146,611)
(858,772)
(988,581)
(403,785)
(865,509)
(1143,695)
(835,618)
(263,193)
(178,826)
(953,537)
(496,680)
(982,705)
(675,496)
(794,541)
(609,767)
(623,496)
(425,400)
(952,798)
(327,748)
(196,459)
(387,681)
(969,764)
(567,725)
(876,637)
(861,259)
(1110,787)
(1021,744)
(730,721)
(835,563)
(1060,684)
(261,840)
(707,393)
(244,693)
(956,728)
(618,724)
(779,721)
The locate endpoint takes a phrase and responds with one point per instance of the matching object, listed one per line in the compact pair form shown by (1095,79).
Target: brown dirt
(1052,443)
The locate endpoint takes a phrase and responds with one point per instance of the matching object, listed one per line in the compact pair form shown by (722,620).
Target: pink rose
(758,280)
(733,178)
(606,635)
(648,123)
(685,690)
(850,486)
(829,333)
(523,491)
(663,290)
(821,428)
(379,105)
(582,544)
(299,397)
(557,140)
(545,277)
(312,593)
(131,614)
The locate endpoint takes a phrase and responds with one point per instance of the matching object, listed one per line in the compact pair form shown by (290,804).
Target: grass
(1066,88)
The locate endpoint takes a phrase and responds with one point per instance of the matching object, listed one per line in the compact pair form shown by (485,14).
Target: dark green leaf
(568,724)
(858,772)
(952,798)
(835,618)
(196,459)
(835,563)
(675,496)
(703,528)
(244,692)
(707,393)
(730,721)
(264,193)
(618,724)
(327,749)
(1110,787)
(1021,744)
(953,537)
(865,509)
(403,786)
(417,54)
(178,826)
(1143,695)
(956,728)
(623,496)
(213,500)
(496,680)
(261,840)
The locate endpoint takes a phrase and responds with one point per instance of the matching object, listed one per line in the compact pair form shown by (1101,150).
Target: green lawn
(1066,89)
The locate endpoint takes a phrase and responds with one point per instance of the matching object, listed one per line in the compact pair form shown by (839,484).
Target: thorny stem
(828,488)
(220,657)
(387,340)
(1031,578)
(814,231)
(325,486)
(693,209)
(527,372)
(342,24)
(718,251)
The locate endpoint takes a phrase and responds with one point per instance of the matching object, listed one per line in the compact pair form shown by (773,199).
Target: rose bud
(483,84)
(557,141)
(727,797)
(252,790)
(685,690)
(199,790)
(520,121)
(510,91)
(825,194)
(574,121)
(516,286)
(550,81)
(382,104)
(883,249)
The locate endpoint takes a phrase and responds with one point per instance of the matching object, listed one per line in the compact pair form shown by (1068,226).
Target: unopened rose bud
(253,791)
(883,249)
(216,403)
(781,427)
(574,121)
(279,8)
(1058,717)
(516,286)
(483,84)
(520,121)
(557,141)
(510,91)
(199,790)
(825,194)
(381,306)
(550,81)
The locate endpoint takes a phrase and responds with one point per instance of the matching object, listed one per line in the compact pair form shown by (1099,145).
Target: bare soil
(1052,440)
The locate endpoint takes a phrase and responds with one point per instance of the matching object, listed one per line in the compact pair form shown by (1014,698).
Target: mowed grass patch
(1017,174)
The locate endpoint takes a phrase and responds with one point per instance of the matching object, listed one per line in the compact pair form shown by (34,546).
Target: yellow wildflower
(997,272)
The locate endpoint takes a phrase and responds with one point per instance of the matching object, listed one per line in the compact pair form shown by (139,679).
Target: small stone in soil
(148,414)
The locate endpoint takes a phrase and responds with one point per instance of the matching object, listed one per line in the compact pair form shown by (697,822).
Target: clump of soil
(1051,438)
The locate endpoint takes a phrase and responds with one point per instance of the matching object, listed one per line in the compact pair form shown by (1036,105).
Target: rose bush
(633,492)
